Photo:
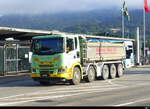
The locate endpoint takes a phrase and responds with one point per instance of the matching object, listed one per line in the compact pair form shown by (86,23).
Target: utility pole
(138,47)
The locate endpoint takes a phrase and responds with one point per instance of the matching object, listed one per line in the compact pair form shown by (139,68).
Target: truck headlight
(33,70)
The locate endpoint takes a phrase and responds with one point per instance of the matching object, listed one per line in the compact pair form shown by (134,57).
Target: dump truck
(74,57)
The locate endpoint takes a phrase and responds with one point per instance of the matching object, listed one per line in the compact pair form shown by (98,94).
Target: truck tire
(119,70)
(91,74)
(113,71)
(76,76)
(105,72)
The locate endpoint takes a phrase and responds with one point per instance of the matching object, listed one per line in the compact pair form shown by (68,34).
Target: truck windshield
(47,46)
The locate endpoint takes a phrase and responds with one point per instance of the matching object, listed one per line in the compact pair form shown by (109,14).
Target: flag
(125,11)
(146,6)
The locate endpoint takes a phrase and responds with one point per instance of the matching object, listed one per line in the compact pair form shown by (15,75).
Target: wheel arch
(80,67)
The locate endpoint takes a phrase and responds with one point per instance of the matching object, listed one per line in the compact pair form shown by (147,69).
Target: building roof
(27,34)
(18,33)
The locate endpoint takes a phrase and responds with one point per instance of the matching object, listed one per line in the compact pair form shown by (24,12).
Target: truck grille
(46,65)
(46,72)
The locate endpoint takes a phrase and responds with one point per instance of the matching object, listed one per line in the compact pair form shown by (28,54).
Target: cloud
(54,6)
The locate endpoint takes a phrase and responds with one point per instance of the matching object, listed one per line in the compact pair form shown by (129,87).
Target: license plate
(44,75)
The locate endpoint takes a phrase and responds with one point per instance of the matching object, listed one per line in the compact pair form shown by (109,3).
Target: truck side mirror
(30,57)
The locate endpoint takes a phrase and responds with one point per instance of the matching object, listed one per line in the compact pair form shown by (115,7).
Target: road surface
(133,89)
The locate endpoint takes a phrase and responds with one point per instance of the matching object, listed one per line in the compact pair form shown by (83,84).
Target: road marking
(42,98)
(112,83)
(133,102)
(28,97)
(52,97)
(60,89)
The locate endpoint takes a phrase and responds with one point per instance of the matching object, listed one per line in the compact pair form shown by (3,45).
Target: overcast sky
(54,6)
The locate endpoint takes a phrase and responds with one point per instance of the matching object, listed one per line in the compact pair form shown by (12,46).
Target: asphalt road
(133,89)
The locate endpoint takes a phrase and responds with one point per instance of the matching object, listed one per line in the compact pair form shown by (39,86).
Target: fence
(145,60)
(14,57)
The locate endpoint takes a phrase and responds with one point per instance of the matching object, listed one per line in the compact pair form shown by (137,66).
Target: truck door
(72,50)
(129,61)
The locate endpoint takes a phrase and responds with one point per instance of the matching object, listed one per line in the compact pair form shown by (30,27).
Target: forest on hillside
(97,22)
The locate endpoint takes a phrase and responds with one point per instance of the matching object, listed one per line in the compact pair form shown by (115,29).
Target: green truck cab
(56,57)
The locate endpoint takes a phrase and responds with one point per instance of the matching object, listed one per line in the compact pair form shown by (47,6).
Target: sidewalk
(14,77)
(142,66)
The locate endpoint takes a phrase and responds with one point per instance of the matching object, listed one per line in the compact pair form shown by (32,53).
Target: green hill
(91,22)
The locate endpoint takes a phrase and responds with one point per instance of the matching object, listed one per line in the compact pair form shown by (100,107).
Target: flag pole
(144,31)
(123,28)
(122,25)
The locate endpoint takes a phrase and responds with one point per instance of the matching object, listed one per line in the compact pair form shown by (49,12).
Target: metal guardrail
(145,60)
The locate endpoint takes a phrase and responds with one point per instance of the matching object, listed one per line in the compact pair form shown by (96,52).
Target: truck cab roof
(47,36)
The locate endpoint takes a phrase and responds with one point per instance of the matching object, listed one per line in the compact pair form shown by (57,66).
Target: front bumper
(66,76)
(51,80)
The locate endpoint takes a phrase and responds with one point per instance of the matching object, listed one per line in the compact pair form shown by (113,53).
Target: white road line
(110,82)
(42,98)
(58,90)
(70,91)
(82,88)
(52,97)
(77,91)
(133,102)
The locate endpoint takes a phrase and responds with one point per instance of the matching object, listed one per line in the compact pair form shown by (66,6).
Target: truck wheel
(45,83)
(105,72)
(113,71)
(119,70)
(76,76)
(91,74)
